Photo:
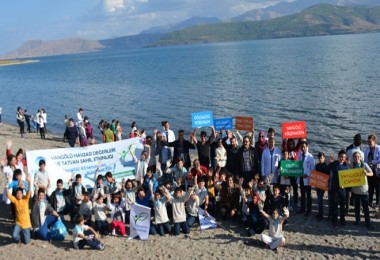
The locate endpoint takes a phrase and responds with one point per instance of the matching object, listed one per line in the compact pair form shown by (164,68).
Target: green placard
(292,168)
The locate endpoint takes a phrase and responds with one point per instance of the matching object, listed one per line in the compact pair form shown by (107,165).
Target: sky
(22,20)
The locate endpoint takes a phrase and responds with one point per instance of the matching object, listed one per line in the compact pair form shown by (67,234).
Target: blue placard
(200,119)
(223,123)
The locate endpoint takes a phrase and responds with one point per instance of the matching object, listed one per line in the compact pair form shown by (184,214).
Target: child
(99,209)
(256,222)
(130,198)
(98,187)
(117,206)
(42,180)
(141,167)
(321,167)
(77,195)
(85,208)
(112,187)
(22,223)
(246,200)
(179,213)
(80,240)
(276,236)
(160,212)
(192,206)
(201,192)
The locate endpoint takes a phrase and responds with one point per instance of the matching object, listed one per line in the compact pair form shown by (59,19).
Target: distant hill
(56,47)
(130,42)
(288,8)
(321,19)
(182,25)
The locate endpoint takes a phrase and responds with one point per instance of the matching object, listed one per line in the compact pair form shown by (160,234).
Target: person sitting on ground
(276,236)
(99,210)
(85,208)
(22,223)
(116,205)
(229,198)
(80,240)
(43,215)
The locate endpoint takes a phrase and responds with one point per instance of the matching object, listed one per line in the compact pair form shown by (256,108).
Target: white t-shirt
(78,230)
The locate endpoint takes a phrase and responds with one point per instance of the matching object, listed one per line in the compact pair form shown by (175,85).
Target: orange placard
(294,130)
(319,180)
(244,123)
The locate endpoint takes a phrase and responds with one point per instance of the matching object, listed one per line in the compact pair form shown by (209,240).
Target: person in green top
(108,135)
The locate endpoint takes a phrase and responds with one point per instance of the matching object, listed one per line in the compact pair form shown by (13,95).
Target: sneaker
(113,233)
(101,247)
(125,235)
(76,246)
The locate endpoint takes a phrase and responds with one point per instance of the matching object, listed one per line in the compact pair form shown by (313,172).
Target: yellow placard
(352,178)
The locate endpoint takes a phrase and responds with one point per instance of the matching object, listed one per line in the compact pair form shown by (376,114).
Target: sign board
(294,130)
(201,119)
(244,123)
(319,180)
(223,123)
(291,168)
(352,178)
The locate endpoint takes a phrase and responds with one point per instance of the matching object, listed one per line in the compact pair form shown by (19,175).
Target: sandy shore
(16,62)
(306,238)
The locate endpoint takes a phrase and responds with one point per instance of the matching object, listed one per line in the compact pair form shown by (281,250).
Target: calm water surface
(330,82)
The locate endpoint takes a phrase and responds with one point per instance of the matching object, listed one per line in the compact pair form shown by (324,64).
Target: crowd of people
(233,178)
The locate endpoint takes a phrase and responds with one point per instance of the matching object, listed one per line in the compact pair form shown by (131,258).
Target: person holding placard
(308,165)
(361,192)
(203,146)
(323,168)
(338,193)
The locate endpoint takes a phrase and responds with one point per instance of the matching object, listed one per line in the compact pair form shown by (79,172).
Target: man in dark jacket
(60,199)
(248,161)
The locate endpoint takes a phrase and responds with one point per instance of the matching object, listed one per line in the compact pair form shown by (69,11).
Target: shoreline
(16,62)
(305,237)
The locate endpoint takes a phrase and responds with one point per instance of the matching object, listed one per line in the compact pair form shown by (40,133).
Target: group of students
(228,180)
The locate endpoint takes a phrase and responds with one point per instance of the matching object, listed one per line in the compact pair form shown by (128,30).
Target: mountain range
(278,21)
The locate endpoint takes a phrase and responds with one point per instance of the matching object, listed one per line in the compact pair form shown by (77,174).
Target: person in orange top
(23,222)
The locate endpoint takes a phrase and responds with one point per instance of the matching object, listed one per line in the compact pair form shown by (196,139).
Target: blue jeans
(320,194)
(43,231)
(190,220)
(182,225)
(163,227)
(16,234)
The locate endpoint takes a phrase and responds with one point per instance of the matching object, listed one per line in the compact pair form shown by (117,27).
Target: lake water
(330,82)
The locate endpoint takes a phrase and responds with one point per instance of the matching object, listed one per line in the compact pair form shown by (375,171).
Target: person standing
(44,117)
(338,193)
(71,133)
(27,120)
(248,161)
(0,114)
(20,121)
(372,158)
(308,165)
(79,117)
(270,159)
(361,192)
(203,146)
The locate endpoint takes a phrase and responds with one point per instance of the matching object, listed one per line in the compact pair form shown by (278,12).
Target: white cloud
(112,6)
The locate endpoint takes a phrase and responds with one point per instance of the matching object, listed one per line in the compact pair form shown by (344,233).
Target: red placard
(319,180)
(244,123)
(294,130)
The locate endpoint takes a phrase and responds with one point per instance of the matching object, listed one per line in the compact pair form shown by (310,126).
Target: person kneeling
(80,240)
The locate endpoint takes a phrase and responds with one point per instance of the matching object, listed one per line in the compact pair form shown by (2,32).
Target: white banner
(65,163)
(206,222)
(139,222)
